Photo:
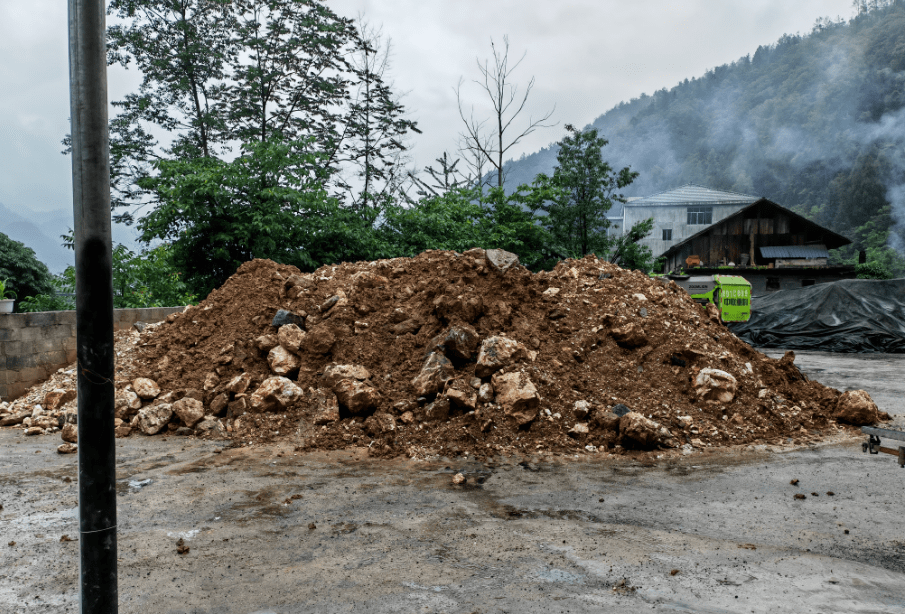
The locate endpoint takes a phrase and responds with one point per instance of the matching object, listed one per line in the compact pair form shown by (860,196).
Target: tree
(587,187)
(376,121)
(23,273)
(491,144)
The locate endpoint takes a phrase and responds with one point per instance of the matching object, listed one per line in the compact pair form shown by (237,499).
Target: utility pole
(94,307)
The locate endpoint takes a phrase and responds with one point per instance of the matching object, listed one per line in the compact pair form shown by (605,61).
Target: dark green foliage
(23,273)
(873,270)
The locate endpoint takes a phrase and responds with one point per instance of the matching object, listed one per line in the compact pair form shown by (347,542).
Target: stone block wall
(34,345)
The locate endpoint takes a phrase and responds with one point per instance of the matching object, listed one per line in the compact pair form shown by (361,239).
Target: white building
(678,214)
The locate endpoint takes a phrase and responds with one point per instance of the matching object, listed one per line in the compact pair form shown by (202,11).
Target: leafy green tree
(23,272)
(60,298)
(629,253)
(588,186)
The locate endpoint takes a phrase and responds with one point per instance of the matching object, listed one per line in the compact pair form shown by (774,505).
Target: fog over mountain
(814,122)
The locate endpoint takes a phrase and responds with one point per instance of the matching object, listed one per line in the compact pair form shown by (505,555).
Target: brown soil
(386,325)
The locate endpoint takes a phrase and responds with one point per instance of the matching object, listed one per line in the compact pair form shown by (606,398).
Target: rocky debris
(435,372)
(282,361)
(145,388)
(645,432)
(274,394)
(516,394)
(715,385)
(855,407)
(189,411)
(70,433)
(492,359)
(152,419)
(459,479)
(500,260)
(499,352)
(57,398)
(67,448)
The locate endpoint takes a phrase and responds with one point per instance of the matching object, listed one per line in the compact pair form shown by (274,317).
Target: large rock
(239,383)
(435,372)
(274,394)
(605,420)
(127,403)
(499,352)
(857,408)
(56,399)
(644,432)
(145,388)
(500,260)
(517,395)
(290,337)
(70,433)
(152,419)
(326,407)
(459,342)
(715,385)
(219,403)
(630,335)
(190,411)
(282,361)
(356,396)
(336,373)
(437,411)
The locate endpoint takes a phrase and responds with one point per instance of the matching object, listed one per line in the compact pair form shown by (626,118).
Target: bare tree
(484,143)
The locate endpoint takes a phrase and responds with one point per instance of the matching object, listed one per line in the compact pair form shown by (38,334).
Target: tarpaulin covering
(854,315)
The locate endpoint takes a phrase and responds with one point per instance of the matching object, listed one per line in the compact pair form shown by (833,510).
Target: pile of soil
(587,342)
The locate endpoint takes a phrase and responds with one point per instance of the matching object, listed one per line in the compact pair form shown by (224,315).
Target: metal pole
(94,306)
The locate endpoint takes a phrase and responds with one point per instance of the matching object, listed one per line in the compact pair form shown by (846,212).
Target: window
(667,234)
(700,215)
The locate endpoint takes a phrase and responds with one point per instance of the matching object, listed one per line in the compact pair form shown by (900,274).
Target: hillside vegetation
(814,122)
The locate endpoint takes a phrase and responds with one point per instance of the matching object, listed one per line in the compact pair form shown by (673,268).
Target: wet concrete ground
(398,536)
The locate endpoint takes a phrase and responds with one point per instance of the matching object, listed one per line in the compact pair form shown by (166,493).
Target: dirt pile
(451,353)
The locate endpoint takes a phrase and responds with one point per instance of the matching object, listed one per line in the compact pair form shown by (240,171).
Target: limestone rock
(152,419)
(290,337)
(857,408)
(282,361)
(274,394)
(645,432)
(335,373)
(236,408)
(578,430)
(145,388)
(190,411)
(461,394)
(70,433)
(34,430)
(500,260)
(239,384)
(265,343)
(67,448)
(209,425)
(211,381)
(715,385)
(459,342)
(605,420)
(122,431)
(319,340)
(127,403)
(380,424)
(517,395)
(499,352)
(407,327)
(55,399)
(13,419)
(356,396)
(326,407)
(630,335)
(581,409)
(435,372)
(437,411)
(485,393)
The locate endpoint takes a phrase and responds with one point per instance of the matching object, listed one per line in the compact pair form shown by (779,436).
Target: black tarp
(854,315)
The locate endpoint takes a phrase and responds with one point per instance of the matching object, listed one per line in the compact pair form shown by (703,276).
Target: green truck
(730,293)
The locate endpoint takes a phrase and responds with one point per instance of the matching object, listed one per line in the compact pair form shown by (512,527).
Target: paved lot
(397,536)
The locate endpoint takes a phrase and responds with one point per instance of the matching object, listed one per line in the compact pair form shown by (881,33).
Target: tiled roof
(795,251)
(691,194)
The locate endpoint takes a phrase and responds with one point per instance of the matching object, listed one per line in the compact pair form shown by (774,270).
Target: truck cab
(730,293)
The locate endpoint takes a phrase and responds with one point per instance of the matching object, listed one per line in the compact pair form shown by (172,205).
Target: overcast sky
(586,57)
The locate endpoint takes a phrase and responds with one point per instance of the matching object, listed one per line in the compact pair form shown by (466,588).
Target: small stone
(319,340)
(620,410)
(715,385)
(145,388)
(855,407)
(460,394)
(239,384)
(497,353)
(579,429)
(799,496)
(326,407)
(275,393)
(67,448)
(581,409)
(57,398)
(645,432)
(459,479)
(407,417)
(333,374)
(437,411)
(34,430)
(500,260)
(236,408)
(435,372)
(211,381)
(356,396)
(152,419)
(630,335)
(311,526)
(380,424)
(220,402)
(459,342)
(122,431)
(517,395)
(70,433)
(265,343)
(606,420)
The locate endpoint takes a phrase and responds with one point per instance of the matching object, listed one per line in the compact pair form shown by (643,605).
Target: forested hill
(813,122)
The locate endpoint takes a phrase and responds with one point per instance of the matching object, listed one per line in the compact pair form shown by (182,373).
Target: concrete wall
(34,345)
(675,218)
